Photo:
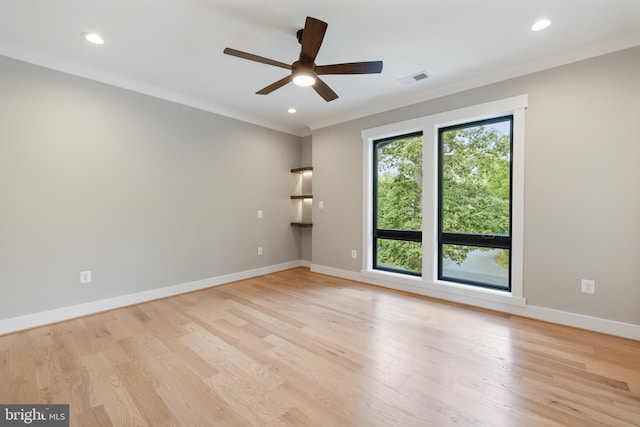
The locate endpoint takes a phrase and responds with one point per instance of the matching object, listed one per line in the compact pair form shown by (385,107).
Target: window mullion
(480,240)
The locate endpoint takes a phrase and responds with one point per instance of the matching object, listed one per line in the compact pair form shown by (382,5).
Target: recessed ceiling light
(93,38)
(540,24)
(291,110)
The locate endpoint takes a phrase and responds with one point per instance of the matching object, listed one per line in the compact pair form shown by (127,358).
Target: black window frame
(389,233)
(496,241)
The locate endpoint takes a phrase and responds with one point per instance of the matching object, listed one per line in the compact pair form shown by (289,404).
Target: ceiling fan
(304,71)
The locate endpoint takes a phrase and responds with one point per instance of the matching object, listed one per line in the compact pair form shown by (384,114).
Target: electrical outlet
(85,277)
(260,250)
(259,214)
(588,286)
(354,254)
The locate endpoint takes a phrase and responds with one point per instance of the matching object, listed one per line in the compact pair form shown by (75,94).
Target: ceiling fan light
(304,79)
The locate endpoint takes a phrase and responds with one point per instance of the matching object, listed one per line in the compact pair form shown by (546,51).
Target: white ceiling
(172,49)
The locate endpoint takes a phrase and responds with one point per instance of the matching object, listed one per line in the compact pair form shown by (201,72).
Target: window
(469,233)
(474,202)
(397,207)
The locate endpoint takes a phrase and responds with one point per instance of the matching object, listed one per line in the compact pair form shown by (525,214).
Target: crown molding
(385,104)
(568,57)
(69,67)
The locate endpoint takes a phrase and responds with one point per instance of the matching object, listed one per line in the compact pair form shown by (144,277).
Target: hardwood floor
(302,349)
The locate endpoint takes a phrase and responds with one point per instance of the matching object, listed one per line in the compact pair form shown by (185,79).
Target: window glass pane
(476,178)
(479,265)
(399,255)
(399,183)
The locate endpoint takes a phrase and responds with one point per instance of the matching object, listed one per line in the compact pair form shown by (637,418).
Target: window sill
(450,291)
(494,295)
(390,275)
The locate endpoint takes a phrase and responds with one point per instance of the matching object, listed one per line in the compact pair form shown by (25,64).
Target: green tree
(476,184)
(400,200)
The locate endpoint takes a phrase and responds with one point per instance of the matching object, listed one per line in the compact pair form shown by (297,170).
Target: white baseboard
(606,326)
(29,321)
(344,274)
(611,327)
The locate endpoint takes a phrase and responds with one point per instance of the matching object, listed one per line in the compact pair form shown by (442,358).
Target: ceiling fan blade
(372,67)
(324,90)
(273,86)
(312,37)
(256,58)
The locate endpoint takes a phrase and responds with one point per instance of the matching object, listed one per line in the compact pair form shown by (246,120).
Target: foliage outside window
(398,204)
(474,236)
(456,221)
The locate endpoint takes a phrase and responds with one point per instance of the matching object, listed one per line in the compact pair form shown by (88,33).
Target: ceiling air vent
(413,78)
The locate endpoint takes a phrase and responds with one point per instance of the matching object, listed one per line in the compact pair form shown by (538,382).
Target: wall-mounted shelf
(302,170)
(302,210)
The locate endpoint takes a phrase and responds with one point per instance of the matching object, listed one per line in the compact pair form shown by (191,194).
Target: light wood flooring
(297,348)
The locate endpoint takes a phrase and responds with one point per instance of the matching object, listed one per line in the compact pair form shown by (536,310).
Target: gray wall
(142,192)
(306,234)
(582,202)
